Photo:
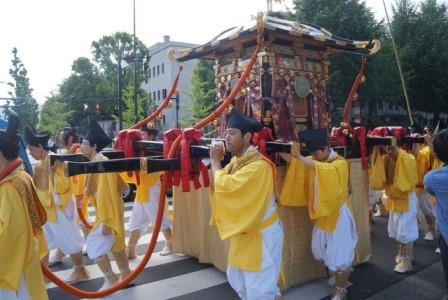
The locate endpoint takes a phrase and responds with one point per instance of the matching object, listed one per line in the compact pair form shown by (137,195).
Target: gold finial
(143,165)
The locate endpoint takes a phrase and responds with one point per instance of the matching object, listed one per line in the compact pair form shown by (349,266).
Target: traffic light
(98,108)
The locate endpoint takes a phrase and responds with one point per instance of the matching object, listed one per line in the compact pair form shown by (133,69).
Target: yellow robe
(398,179)
(109,206)
(19,254)
(46,186)
(424,164)
(330,184)
(146,182)
(239,202)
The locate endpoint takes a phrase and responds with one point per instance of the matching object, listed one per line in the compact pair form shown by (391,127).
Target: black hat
(9,140)
(96,135)
(36,138)
(242,122)
(314,139)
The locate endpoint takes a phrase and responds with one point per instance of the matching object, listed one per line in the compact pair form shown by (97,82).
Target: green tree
(54,114)
(426,57)
(84,89)
(203,92)
(25,105)
(117,48)
(128,99)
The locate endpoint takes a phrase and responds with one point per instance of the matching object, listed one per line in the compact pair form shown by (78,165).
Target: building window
(149,73)
(153,71)
(158,94)
(158,70)
(154,95)
(163,68)
(164,93)
(391,106)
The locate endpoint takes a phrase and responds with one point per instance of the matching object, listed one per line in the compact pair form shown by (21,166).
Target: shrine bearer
(56,195)
(21,219)
(245,211)
(323,183)
(396,172)
(104,192)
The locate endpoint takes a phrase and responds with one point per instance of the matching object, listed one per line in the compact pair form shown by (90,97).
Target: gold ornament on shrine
(170,104)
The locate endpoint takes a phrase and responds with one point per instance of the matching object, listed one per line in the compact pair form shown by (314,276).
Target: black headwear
(96,135)
(242,122)
(36,138)
(9,140)
(314,139)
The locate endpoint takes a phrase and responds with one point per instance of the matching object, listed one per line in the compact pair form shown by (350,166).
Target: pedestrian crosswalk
(174,276)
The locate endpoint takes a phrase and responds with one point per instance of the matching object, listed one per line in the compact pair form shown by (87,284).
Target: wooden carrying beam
(111,154)
(142,164)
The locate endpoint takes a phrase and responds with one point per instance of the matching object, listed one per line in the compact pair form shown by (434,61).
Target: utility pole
(120,104)
(135,72)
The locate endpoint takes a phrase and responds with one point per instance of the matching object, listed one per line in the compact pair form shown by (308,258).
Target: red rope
(161,106)
(11,166)
(348,103)
(83,219)
(156,230)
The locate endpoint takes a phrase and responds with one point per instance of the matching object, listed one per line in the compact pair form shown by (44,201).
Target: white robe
(20,294)
(65,233)
(336,249)
(262,285)
(424,208)
(403,226)
(145,213)
(99,244)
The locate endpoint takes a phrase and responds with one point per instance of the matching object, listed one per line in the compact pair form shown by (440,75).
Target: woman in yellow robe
(104,192)
(21,220)
(321,182)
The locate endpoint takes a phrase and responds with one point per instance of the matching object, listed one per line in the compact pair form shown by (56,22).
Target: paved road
(183,278)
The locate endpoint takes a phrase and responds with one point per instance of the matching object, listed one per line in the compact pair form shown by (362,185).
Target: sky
(51,34)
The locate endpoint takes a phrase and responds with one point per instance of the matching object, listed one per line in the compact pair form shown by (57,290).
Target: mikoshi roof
(312,37)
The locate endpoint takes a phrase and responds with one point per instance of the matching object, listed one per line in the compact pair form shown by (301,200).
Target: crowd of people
(39,213)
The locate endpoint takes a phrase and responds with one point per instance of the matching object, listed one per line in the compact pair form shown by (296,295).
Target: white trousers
(336,249)
(65,233)
(99,244)
(424,208)
(403,226)
(20,294)
(261,285)
(145,213)
(373,198)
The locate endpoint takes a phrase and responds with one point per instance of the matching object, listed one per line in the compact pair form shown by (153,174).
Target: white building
(161,76)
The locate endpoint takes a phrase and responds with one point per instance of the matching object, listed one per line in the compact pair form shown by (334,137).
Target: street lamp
(120,103)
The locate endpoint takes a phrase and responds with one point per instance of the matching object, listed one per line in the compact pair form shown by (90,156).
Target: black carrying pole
(154,164)
(111,154)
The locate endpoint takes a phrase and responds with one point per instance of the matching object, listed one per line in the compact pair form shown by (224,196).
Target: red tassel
(259,139)
(168,140)
(361,138)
